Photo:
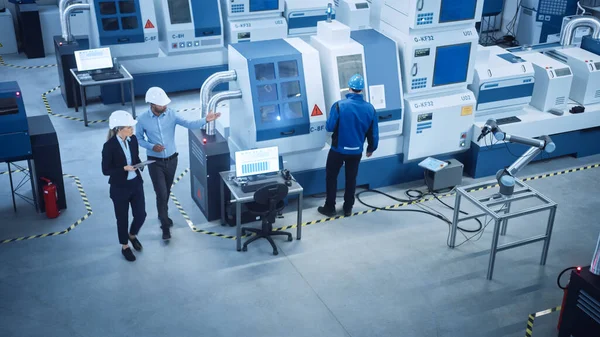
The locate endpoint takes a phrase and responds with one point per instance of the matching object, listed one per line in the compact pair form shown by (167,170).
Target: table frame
(239,198)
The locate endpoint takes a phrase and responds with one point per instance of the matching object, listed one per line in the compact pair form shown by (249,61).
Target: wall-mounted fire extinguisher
(50,199)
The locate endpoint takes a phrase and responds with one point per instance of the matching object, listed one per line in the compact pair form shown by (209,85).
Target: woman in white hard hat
(119,155)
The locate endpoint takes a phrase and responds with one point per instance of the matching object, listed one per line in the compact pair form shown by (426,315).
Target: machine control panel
(240,8)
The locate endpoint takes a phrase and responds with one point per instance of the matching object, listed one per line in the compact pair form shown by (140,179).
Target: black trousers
(131,193)
(335,161)
(162,174)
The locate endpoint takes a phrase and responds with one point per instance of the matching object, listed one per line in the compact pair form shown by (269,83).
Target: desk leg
(122,94)
(83,104)
(12,189)
(132,100)
(238,225)
(299,220)
(455,221)
(494,249)
(75,95)
(223,221)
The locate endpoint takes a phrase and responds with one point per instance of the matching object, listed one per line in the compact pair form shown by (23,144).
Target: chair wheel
(275,252)
(245,249)
(290,238)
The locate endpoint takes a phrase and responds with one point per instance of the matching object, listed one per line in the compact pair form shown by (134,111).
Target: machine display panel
(179,11)
(422,52)
(8,106)
(348,66)
(425,117)
(256,161)
(263,5)
(451,64)
(362,5)
(457,10)
(562,72)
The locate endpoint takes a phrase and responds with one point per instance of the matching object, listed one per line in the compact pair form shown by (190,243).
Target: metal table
(84,80)
(239,198)
(501,217)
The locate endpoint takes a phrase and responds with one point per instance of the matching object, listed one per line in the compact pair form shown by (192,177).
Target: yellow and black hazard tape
(532,317)
(85,200)
(404,204)
(2,63)
(77,119)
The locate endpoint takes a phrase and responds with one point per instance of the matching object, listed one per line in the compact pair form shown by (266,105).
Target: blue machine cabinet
(14,129)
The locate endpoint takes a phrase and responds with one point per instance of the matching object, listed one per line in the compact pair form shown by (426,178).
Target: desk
(239,198)
(87,81)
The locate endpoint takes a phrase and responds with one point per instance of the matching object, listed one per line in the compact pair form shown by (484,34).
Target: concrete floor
(379,274)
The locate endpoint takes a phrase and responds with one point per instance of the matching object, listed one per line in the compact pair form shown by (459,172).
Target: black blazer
(114,160)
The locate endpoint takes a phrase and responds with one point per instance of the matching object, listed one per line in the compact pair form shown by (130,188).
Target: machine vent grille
(589,305)
(561,100)
(597,94)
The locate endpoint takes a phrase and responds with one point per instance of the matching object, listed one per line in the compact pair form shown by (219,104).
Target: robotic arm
(505,177)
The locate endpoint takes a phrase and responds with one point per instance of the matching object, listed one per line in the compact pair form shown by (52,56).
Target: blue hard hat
(357,82)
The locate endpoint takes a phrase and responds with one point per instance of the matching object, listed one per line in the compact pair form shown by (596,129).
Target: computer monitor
(257,161)
(93,59)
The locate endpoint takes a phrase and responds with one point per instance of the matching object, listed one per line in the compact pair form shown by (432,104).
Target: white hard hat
(121,118)
(156,95)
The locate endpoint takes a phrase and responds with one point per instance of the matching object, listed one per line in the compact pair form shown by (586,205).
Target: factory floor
(384,273)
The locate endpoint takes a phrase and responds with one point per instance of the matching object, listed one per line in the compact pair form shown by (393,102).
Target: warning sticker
(466,110)
(316,112)
(148,24)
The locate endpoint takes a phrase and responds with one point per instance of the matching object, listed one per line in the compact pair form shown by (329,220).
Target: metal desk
(239,198)
(87,81)
(501,217)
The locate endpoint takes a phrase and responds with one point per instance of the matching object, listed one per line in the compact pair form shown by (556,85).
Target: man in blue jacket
(352,120)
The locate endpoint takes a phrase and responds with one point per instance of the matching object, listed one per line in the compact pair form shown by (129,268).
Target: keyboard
(249,188)
(109,75)
(507,120)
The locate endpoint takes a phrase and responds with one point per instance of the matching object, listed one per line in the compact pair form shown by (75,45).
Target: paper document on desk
(145,163)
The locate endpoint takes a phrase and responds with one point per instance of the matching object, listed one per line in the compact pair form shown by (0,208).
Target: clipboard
(144,163)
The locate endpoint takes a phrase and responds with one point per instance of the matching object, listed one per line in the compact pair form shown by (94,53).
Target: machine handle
(420,5)
(288,133)
(415,69)
(123,40)
(382,118)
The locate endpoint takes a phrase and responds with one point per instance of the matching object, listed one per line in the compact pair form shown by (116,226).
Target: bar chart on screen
(256,161)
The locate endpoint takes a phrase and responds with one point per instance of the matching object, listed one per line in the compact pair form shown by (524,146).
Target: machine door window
(457,10)
(269,113)
(108,8)
(179,11)
(265,71)
(8,106)
(291,90)
(129,22)
(348,66)
(267,93)
(292,110)
(110,24)
(288,69)
(127,7)
(451,64)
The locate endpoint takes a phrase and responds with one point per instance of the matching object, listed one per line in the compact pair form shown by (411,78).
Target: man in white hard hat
(156,133)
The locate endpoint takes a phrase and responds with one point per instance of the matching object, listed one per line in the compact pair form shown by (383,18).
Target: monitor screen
(93,59)
(257,161)
(451,64)
(264,5)
(179,11)
(457,10)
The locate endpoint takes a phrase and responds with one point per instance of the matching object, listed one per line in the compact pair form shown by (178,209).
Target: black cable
(561,274)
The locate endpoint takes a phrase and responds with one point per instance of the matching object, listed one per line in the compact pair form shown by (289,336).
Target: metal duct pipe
(66,35)
(64,24)
(212,106)
(568,30)
(210,84)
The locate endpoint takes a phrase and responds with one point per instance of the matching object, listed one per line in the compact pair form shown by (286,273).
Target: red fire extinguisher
(50,199)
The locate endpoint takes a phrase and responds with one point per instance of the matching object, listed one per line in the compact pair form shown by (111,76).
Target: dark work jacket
(114,161)
(352,121)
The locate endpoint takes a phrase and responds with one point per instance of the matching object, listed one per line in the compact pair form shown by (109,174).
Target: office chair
(268,202)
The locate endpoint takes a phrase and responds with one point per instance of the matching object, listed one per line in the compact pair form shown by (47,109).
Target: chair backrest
(270,196)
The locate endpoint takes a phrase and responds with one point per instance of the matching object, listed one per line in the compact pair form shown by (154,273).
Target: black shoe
(166,234)
(128,254)
(137,245)
(327,211)
(170,222)
(348,212)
